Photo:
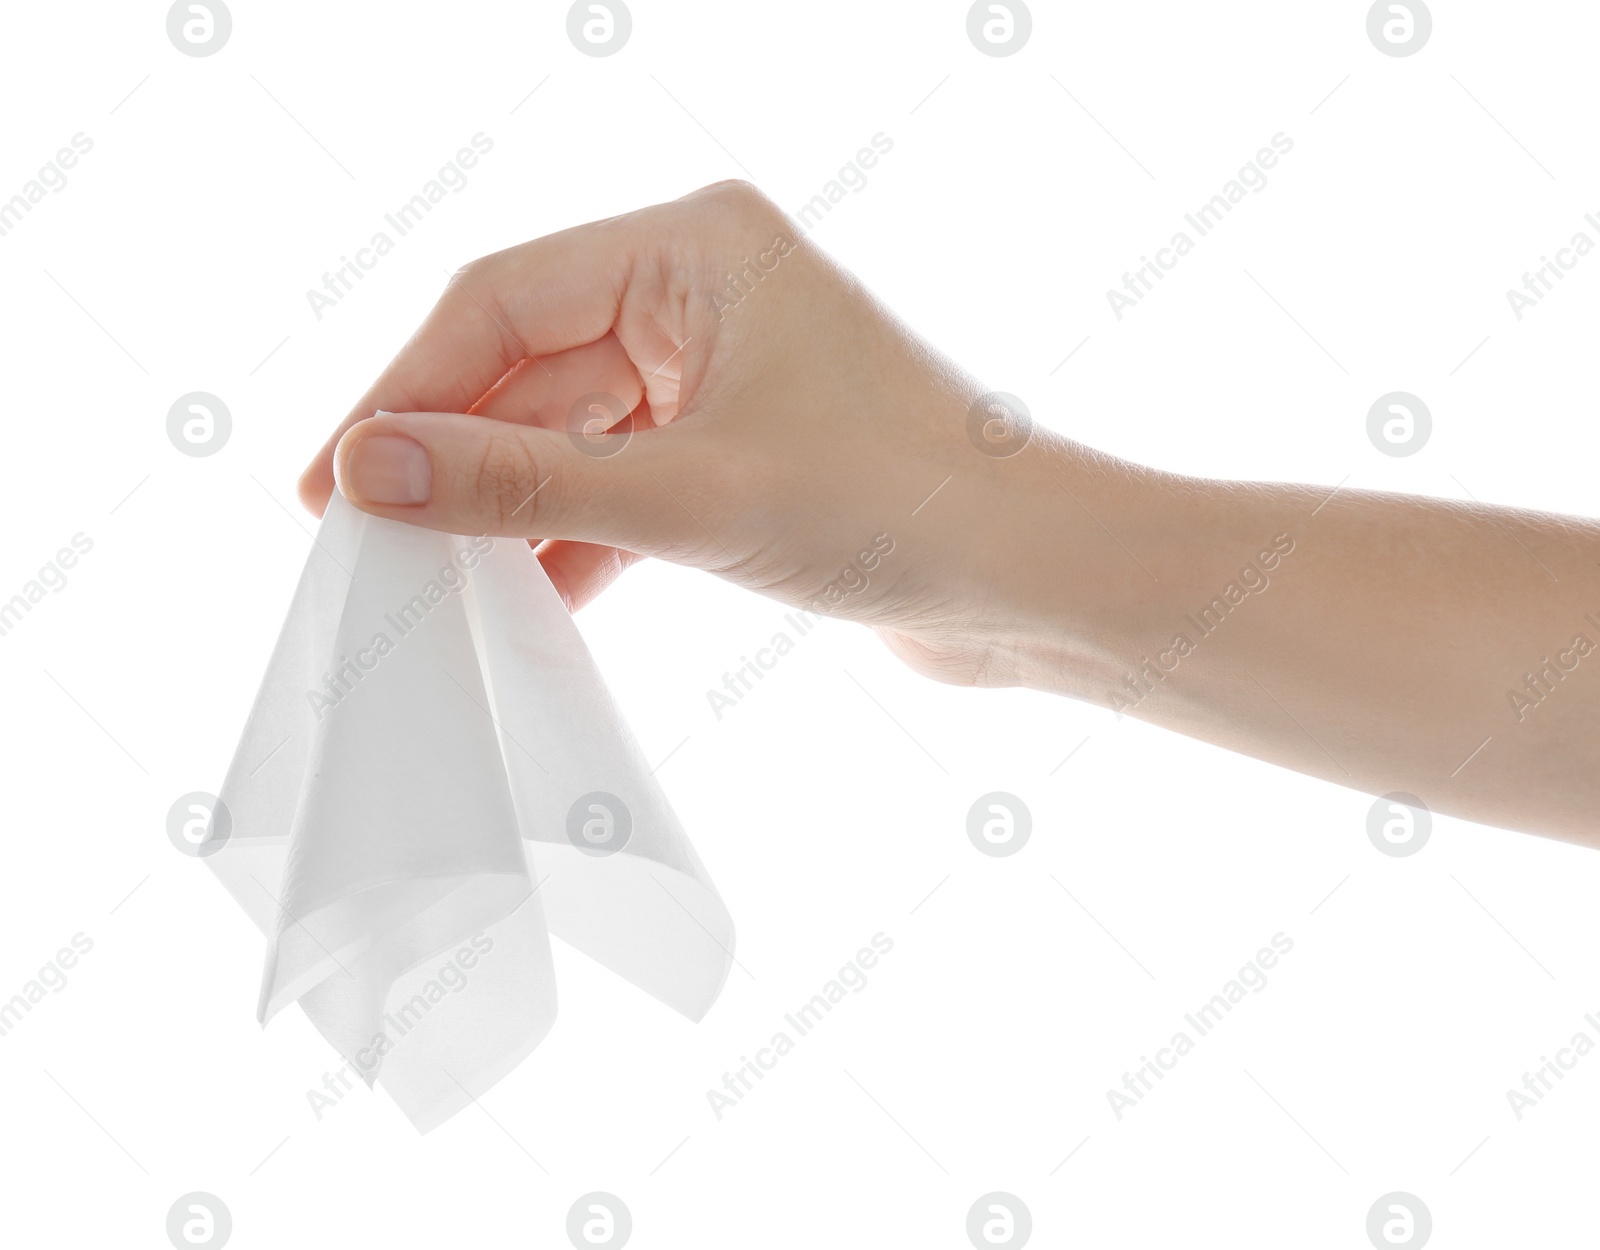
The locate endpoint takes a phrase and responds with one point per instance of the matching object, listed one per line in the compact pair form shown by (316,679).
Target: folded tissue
(432,780)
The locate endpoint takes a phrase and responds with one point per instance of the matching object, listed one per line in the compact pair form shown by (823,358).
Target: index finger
(535,299)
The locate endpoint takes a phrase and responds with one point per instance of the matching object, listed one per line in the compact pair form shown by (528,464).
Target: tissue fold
(432,780)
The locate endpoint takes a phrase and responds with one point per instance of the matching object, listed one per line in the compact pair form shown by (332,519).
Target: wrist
(1032,566)
(1073,577)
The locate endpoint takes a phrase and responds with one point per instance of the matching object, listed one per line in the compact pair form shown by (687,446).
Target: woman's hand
(771,423)
(768,421)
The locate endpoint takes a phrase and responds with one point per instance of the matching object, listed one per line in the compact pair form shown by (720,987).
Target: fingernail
(389,469)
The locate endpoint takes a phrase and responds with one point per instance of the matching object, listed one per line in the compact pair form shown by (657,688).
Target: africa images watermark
(850,979)
(1539,283)
(738,285)
(852,580)
(51,979)
(450,580)
(852,178)
(1539,1082)
(1540,684)
(51,578)
(52,176)
(451,178)
(1252,579)
(450,978)
(1251,178)
(1251,979)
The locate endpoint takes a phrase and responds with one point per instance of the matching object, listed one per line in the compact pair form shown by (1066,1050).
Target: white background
(978,1056)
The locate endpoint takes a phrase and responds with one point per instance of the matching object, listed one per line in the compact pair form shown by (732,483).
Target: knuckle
(738,196)
(734,188)
(467,274)
(471,299)
(474,284)
(508,483)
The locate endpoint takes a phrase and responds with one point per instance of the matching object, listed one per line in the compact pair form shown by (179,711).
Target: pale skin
(783,424)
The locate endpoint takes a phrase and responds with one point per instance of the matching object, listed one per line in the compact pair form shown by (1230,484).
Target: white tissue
(434,778)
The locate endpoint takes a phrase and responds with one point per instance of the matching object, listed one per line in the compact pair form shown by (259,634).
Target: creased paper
(434,778)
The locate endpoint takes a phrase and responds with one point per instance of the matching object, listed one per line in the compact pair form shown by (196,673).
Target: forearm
(1383,642)
(805,443)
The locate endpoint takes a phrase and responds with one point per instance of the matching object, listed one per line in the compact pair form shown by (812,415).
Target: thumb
(476,475)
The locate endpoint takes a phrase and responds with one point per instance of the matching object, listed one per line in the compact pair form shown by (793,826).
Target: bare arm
(772,423)
(1383,642)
